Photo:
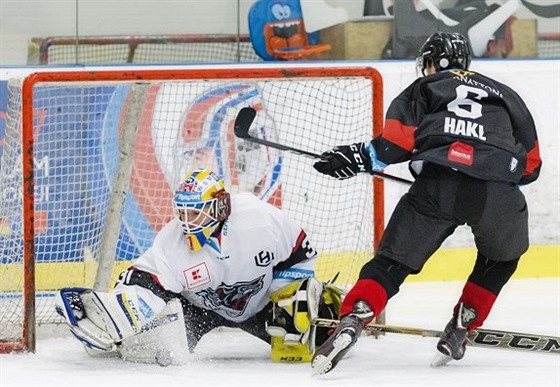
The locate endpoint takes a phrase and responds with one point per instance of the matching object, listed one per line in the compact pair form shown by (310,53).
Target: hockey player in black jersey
(471,141)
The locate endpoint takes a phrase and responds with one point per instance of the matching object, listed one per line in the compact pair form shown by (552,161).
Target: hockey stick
(485,338)
(244,120)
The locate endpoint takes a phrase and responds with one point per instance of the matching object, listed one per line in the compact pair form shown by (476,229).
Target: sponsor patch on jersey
(197,276)
(293,274)
(461,153)
(264,258)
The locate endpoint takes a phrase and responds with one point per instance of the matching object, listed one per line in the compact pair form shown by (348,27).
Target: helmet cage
(198,216)
(195,217)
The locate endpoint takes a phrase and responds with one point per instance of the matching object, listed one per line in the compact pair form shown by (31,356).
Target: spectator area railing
(140,49)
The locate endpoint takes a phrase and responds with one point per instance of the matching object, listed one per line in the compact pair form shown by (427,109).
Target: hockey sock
(478,298)
(366,290)
(484,284)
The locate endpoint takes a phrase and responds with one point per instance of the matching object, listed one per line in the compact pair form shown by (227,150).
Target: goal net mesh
(179,125)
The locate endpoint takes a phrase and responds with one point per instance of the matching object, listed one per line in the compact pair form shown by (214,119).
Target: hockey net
(549,45)
(185,48)
(91,159)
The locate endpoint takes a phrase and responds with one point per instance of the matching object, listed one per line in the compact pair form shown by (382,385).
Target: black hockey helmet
(444,50)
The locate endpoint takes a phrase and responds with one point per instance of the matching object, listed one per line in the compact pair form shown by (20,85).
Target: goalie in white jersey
(233,261)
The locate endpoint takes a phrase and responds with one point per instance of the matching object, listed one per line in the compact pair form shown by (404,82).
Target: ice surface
(234,358)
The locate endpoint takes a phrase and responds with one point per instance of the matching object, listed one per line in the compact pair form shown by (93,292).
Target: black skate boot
(452,344)
(342,339)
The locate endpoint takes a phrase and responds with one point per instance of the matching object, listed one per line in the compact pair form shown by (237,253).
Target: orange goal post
(91,158)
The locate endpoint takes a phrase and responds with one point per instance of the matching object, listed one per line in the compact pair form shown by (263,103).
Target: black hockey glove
(345,161)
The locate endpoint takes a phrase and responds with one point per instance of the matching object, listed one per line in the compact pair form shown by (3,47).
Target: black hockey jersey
(466,121)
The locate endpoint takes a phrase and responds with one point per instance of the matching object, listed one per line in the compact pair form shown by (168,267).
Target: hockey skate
(452,344)
(342,339)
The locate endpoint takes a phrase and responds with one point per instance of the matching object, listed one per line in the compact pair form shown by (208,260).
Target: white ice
(233,358)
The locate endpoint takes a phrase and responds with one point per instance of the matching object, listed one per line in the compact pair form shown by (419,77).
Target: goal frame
(28,339)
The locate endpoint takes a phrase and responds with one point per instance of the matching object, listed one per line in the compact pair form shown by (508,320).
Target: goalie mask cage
(91,159)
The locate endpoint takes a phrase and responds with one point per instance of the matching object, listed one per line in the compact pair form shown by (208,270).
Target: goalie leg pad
(295,307)
(289,353)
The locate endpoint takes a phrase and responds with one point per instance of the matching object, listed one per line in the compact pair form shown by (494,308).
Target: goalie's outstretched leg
(343,338)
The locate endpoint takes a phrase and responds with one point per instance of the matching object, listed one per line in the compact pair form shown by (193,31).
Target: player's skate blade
(324,363)
(440,360)
(452,344)
(343,338)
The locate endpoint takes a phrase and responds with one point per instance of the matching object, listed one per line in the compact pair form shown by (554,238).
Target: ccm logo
(530,343)
(357,157)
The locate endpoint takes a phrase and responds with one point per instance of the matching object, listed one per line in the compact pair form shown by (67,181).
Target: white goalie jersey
(257,251)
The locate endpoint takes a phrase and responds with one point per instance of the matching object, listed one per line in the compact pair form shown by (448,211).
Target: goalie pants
(198,321)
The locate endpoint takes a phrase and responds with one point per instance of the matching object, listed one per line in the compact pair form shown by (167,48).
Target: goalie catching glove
(296,305)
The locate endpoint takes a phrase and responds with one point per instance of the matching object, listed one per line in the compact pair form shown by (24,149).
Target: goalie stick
(484,338)
(243,122)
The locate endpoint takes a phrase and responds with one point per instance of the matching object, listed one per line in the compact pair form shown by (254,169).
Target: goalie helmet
(201,203)
(445,51)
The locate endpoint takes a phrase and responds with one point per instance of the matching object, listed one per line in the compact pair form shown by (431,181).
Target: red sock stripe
(366,290)
(478,298)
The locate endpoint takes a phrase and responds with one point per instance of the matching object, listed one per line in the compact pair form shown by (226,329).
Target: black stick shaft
(245,119)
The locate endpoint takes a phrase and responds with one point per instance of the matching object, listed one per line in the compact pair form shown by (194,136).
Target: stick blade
(243,122)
